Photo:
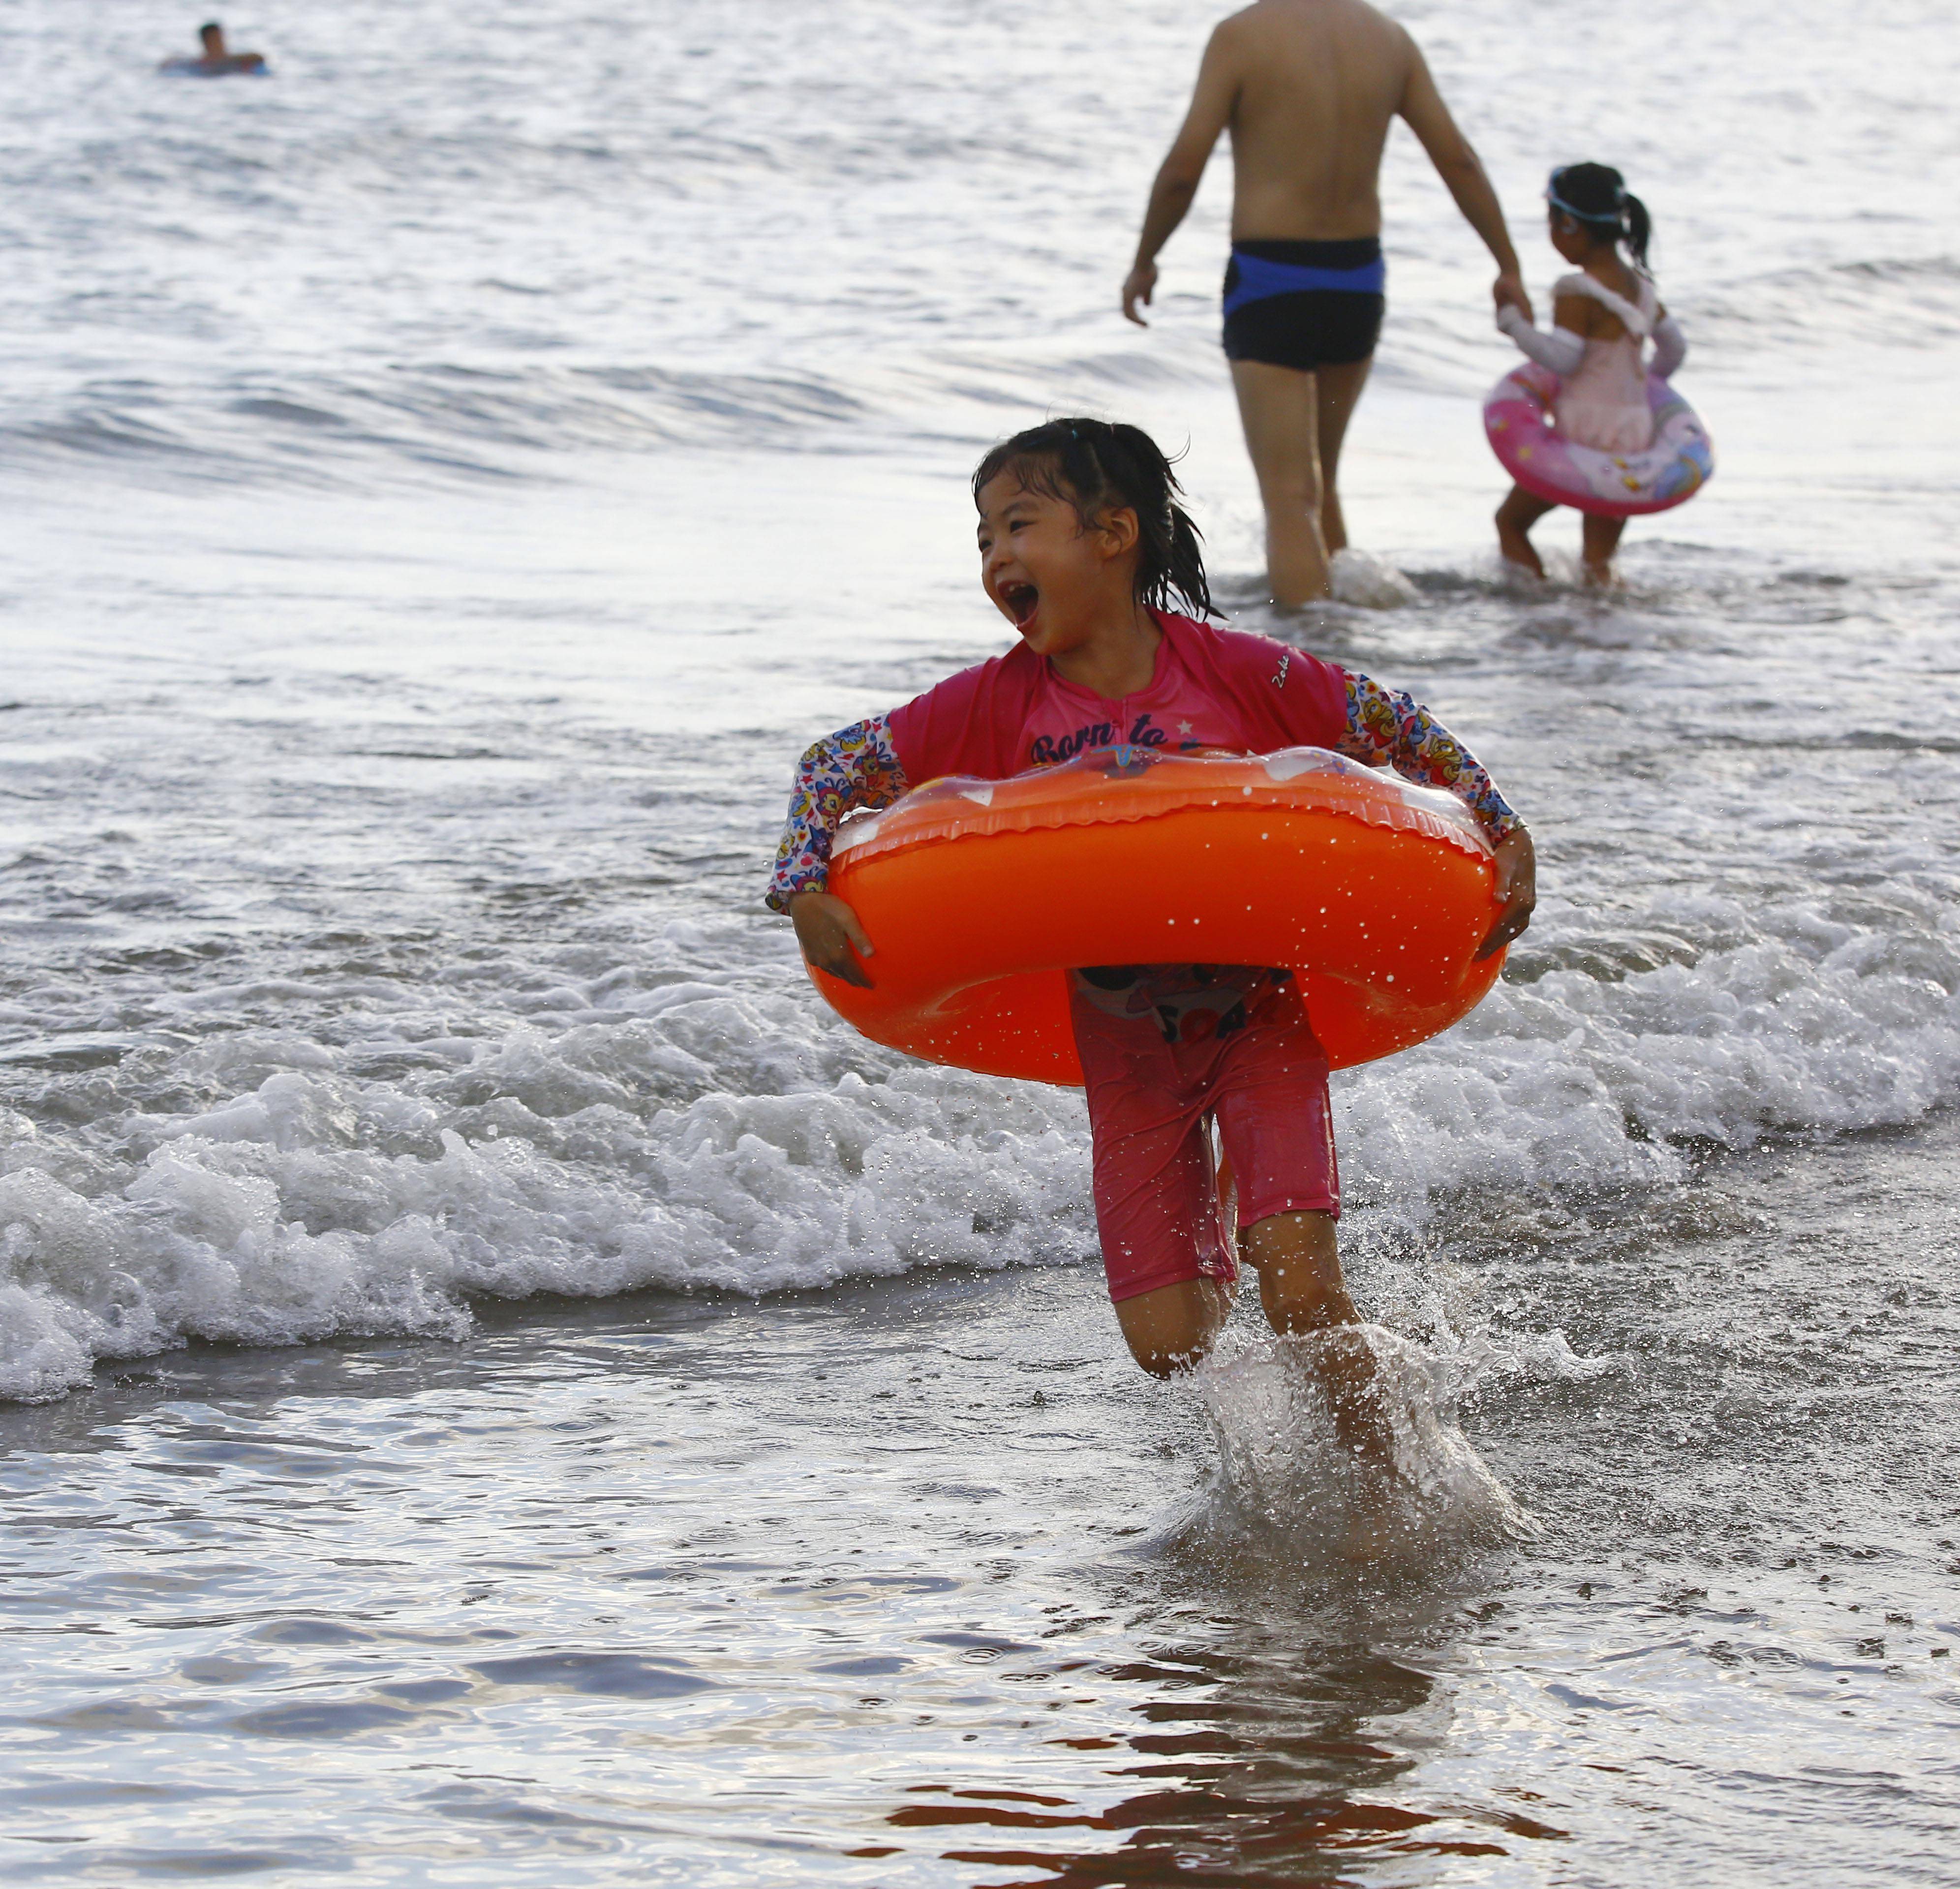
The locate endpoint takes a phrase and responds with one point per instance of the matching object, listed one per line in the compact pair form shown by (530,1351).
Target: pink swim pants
(1150,1103)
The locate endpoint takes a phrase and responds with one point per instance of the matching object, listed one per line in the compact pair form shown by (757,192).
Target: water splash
(1368,582)
(1340,1451)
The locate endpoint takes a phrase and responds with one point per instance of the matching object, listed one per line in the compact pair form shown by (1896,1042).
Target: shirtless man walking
(1308,88)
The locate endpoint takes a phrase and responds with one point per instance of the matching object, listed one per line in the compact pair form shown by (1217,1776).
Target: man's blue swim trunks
(1304,305)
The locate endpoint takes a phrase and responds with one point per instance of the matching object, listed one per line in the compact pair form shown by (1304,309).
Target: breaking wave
(686,1117)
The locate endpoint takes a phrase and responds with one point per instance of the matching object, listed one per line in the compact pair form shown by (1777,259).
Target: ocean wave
(1796,312)
(438,417)
(665,1123)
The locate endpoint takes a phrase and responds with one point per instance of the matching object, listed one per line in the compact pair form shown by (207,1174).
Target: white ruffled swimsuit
(1603,402)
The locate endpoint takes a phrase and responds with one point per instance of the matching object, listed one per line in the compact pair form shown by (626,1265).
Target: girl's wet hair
(1094,466)
(1596,195)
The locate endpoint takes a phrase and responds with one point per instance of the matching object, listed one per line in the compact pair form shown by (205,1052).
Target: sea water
(504,1388)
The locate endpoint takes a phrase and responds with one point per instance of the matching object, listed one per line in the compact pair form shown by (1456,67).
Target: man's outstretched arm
(1461,170)
(1179,175)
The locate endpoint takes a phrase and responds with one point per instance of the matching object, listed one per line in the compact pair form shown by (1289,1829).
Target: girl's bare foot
(1600,539)
(1348,1373)
(1516,548)
(1514,520)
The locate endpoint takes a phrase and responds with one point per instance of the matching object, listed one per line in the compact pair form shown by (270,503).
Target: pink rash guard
(1212,688)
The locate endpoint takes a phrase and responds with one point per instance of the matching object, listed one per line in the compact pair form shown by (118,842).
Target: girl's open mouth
(1023,599)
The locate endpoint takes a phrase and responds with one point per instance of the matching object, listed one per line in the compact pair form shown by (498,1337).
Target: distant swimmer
(217,62)
(1308,88)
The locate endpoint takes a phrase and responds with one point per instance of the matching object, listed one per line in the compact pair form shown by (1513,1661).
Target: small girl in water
(1084,548)
(1603,317)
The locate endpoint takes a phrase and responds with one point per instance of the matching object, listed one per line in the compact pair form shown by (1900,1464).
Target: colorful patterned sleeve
(1385,725)
(857,767)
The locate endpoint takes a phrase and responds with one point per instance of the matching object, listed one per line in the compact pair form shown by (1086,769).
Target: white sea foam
(313,1202)
(683,1125)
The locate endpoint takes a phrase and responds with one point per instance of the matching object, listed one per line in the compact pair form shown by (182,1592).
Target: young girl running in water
(1602,318)
(1083,547)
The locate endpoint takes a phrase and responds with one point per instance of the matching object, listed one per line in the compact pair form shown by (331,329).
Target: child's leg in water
(1599,539)
(1516,517)
(1301,1290)
(1298,1259)
(1173,1328)
(1253,1068)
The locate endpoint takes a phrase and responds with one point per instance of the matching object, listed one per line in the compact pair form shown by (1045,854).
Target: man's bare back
(1315,84)
(1307,89)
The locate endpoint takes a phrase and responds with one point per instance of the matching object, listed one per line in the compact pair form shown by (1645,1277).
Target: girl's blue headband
(1557,202)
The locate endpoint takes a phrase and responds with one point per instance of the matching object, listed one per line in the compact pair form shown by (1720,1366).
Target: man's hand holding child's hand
(1509,291)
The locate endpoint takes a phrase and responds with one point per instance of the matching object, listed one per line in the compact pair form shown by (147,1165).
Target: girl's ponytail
(1093,465)
(1640,228)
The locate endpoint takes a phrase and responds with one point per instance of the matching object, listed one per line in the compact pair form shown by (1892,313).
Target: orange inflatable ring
(979,896)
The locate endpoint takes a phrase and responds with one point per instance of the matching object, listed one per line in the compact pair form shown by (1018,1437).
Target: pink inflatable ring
(1518,422)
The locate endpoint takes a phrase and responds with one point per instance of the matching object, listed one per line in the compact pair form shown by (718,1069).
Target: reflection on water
(1265,1762)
